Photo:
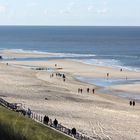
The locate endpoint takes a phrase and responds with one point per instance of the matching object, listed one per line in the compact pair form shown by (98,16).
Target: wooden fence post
(41,119)
(36,116)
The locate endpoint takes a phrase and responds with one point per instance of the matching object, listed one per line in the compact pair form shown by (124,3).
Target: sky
(70,12)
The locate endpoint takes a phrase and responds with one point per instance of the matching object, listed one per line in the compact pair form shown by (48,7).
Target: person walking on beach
(87,90)
(107,74)
(73,131)
(93,90)
(63,76)
(55,122)
(133,103)
(46,120)
(81,90)
(130,103)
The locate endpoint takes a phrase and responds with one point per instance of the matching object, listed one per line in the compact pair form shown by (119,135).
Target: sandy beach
(100,115)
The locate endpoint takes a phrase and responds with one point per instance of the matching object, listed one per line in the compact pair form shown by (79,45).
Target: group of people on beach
(80,90)
(63,76)
(132,103)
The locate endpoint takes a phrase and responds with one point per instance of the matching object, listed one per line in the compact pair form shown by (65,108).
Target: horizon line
(72,25)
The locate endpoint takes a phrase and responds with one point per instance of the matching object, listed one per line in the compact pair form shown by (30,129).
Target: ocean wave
(113,63)
(101,62)
(74,55)
(131,68)
(23,51)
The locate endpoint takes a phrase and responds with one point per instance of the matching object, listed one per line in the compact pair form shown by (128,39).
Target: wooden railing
(40,118)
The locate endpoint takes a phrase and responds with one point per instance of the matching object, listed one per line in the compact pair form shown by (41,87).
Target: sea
(117,47)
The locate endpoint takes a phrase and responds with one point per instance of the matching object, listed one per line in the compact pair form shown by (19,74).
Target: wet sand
(102,115)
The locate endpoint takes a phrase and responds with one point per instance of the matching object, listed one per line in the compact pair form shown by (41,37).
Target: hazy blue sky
(70,12)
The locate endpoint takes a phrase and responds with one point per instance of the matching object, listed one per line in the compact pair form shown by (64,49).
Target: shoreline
(116,88)
(31,55)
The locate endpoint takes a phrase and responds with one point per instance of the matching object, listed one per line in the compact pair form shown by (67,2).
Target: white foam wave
(101,62)
(23,51)
(74,55)
(113,63)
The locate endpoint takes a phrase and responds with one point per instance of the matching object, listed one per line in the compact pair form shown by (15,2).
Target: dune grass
(14,126)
